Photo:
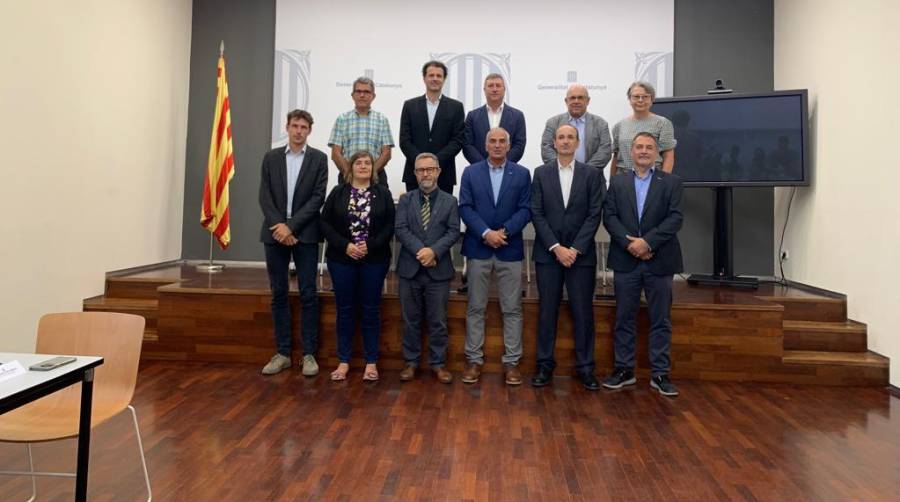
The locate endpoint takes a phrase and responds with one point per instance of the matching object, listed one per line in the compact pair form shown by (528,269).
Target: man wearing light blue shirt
(291,193)
(595,147)
(494,203)
(361,128)
(643,216)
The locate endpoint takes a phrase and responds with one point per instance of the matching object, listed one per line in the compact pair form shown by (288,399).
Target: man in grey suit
(595,145)
(291,192)
(427,225)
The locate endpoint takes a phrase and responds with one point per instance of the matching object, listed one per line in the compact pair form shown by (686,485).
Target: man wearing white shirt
(566,205)
(432,123)
(495,113)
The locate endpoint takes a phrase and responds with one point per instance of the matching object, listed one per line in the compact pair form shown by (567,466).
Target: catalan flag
(214,213)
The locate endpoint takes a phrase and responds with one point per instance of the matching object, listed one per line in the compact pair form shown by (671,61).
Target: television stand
(723,248)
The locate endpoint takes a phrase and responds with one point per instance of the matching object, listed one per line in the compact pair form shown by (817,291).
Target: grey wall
(713,39)
(733,41)
(248,29)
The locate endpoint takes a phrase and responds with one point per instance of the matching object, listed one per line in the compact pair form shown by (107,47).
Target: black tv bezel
(804,133)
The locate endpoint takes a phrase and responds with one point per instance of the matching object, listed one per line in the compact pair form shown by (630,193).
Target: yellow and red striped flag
(214,213)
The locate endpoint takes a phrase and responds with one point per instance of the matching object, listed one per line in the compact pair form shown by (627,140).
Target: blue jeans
(357,287)
(278,260)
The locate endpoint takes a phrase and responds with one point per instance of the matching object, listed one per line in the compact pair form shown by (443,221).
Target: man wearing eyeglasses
(427,225)
(595,147)
(362,128)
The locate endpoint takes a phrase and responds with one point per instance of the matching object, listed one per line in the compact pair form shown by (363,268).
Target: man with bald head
(595,144)
(494,203)
(566,205)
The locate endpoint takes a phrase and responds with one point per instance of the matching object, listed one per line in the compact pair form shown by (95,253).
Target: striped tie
(426,213)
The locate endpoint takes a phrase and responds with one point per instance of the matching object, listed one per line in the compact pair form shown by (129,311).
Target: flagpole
(210,267)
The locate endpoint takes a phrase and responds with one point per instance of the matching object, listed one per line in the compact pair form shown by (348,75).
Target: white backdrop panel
(321,47)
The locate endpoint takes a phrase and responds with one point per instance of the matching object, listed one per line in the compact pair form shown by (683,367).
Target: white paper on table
(11,369)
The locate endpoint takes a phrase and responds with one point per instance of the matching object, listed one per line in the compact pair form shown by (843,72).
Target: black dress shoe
(541,378)
(589,381)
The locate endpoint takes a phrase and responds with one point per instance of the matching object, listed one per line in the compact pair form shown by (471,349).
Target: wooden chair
(117,338)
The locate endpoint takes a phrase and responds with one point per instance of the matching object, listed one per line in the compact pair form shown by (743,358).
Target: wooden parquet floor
(222,432)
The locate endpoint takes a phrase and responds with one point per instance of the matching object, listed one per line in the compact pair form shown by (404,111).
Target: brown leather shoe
(408,373)
(471,374)
(443,375)
(513,376)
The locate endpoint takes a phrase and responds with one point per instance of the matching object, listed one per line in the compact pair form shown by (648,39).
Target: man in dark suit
(427,225)
(643,215)
(291,192)
(495,113)
(494,202)
(566,206)
(432,123)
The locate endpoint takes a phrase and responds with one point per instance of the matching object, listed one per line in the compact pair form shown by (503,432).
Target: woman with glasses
(640,97)
(358,222)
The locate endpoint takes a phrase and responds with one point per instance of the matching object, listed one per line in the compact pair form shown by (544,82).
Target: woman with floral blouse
(358,223)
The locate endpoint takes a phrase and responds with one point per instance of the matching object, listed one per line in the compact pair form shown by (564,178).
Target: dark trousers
(658,290)
(278,259)
(579,282)
(357,288)
(423,297)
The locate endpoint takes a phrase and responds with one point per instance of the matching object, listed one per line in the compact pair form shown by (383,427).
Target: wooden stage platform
(777,333)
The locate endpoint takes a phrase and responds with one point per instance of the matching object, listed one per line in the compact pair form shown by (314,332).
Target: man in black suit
(566,206)
(432,123)
(291,192)
(643,215)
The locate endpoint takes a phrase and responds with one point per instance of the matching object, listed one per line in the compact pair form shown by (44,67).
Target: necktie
(426,213)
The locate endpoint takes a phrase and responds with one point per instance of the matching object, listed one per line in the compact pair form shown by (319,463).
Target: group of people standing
(566,202)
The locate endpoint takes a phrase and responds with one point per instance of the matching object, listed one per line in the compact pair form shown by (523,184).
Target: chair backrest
(114,336)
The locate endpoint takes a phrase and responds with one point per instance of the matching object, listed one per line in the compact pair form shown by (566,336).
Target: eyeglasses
(640,97)
(425,170)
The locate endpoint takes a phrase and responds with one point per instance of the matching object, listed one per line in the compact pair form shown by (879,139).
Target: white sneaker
(309,365)
(276,364)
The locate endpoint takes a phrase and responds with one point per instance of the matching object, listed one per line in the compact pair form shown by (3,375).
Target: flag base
(210,268)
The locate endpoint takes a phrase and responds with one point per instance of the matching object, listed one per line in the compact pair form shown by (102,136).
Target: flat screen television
(740,139)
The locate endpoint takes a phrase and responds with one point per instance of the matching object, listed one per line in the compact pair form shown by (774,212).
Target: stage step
(135,287)
(817,357)
(148,309)
(834,368)
(151,335)
(846,336)
(104,303)
(819,309)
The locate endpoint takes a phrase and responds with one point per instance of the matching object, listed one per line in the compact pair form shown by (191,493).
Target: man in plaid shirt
(362,128)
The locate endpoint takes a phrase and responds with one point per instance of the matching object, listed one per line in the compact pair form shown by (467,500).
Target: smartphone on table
(50,364)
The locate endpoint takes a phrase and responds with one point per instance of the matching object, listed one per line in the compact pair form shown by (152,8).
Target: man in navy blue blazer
(494,114)
(494,202)
(643,216)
